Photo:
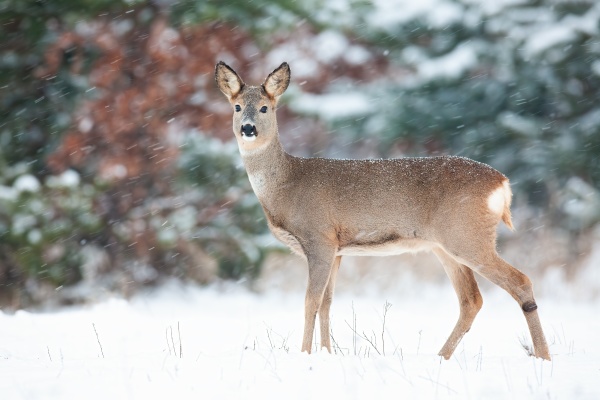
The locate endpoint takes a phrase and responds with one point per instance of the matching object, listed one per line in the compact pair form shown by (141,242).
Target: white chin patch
(249,138)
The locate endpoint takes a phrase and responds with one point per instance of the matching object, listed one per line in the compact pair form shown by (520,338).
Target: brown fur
(324,208)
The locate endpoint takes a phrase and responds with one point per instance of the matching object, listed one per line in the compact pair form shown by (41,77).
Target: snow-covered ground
(225,342)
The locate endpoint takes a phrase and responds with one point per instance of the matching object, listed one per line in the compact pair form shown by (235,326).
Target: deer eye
(263,109)
(238,108)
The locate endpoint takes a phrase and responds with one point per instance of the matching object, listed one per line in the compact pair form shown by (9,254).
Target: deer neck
(267,167)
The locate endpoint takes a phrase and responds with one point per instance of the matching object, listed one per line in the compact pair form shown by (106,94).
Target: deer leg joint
(529,306)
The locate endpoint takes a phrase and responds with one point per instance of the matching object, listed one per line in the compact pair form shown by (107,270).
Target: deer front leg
(320,263)
(326,305)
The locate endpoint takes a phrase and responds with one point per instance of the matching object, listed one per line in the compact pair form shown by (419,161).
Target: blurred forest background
(117,161)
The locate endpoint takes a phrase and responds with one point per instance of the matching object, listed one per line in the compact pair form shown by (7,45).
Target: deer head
(254,121)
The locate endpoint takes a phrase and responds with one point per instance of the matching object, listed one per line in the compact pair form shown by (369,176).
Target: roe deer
(324,209)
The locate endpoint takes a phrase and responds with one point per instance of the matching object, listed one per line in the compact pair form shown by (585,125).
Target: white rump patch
(496,200)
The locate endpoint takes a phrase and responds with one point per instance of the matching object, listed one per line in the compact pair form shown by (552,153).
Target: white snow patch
(22,223)
(34,236)
(583,202)
(198,98)
(518,124)
(329,45)
(183,342)
(167,39)
(357,55)
(544,39)
(444,14)
(68,179)
(303,65)
(116,171)
(390,14)
(450,66)
(492,7)
(183,218)
(8,193)
(333,105)
(27,183)
(85,124)
(587,23)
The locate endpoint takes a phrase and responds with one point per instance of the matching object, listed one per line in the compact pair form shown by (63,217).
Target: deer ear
(227,80)
(277,81)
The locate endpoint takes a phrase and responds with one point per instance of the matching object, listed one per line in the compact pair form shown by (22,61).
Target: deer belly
(385,249)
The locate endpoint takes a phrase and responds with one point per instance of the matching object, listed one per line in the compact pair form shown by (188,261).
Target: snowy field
(228,343)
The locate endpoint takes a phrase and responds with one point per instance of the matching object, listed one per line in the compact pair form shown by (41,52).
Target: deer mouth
(249,132)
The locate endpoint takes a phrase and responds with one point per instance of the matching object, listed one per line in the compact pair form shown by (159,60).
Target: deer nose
(248,130)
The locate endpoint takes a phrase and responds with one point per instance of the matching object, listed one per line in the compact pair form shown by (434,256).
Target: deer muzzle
(249,132)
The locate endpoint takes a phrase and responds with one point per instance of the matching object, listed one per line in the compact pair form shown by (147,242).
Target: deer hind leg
(492,267)
(320,265)
(326,305)
(469,298)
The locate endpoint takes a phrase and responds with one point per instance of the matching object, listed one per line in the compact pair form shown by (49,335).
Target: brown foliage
(142,83)
(142,87)
(148,83)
